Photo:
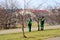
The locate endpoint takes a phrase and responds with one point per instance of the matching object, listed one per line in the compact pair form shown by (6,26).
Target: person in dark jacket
(29,24)
(42,22)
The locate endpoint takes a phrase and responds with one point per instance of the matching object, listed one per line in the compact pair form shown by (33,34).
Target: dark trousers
(42,25)
(29,27)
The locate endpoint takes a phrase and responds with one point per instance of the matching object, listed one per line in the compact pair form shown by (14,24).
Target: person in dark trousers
(42,22)
(29,24)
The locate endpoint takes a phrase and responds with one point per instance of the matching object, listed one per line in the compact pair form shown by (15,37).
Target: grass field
(35,35)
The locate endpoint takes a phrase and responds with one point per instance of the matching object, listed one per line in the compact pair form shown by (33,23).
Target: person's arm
(43,19)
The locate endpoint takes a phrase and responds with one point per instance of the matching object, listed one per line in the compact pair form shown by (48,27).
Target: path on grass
(55,38)
(26,29)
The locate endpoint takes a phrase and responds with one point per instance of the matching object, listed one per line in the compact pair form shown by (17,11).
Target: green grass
(35,35)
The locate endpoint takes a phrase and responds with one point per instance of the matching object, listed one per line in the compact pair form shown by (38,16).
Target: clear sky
(34,3)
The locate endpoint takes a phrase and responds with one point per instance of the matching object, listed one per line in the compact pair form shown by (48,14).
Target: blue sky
(34,3)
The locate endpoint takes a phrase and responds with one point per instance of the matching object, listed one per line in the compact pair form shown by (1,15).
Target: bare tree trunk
(23,28)
(38,26)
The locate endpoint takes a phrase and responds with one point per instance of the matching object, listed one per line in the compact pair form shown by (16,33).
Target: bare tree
(8,14)
(38,15)
(53,17)
(23,16)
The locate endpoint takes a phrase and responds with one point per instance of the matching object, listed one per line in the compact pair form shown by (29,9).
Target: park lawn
(34,35)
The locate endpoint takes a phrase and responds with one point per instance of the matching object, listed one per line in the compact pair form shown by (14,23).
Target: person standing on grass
(29,24)
(42,22)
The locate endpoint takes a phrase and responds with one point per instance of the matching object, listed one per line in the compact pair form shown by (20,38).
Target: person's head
(42,16)
(30,19)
